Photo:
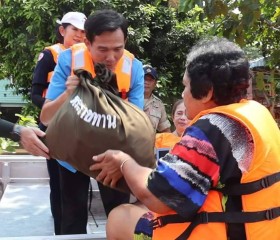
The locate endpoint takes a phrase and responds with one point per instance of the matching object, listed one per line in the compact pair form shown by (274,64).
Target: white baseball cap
(77,19)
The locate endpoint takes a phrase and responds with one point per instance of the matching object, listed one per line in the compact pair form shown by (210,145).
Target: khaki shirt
(155,110)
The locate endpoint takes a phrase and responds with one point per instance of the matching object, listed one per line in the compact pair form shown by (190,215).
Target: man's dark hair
(105,21)
(219,64)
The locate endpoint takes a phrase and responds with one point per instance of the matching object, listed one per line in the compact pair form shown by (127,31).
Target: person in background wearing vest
(70,30)
(180,121)
(106,34)
(154,107)
(222,180)
(28,137)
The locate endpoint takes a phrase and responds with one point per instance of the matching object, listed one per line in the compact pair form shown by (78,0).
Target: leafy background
(160,33)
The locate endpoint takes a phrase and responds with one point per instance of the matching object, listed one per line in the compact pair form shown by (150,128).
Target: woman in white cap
(70,30)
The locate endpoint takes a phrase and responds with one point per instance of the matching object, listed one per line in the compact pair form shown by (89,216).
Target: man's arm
(6,128)
(45,64)
(50,107)
(28,137)
(57,91)
(136,94)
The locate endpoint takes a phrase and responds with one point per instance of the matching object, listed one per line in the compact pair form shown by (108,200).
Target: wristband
(121,167)
(15,134)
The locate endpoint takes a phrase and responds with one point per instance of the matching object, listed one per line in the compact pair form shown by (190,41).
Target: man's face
(107,48)
(150,84)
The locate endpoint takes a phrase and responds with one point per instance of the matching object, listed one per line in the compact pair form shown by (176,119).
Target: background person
(180,121)
(154,107)
(70,30)
(210,185)
(27,136)
(106,35)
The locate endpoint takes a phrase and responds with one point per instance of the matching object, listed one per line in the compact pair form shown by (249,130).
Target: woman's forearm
(136,177)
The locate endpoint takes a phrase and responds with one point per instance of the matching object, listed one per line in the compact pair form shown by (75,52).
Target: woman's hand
(109,163)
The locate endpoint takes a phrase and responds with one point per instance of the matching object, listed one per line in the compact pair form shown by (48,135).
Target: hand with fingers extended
(31,142)
(109,163)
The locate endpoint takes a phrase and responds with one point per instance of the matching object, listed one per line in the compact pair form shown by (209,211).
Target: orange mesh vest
(55,50)
(166,140)
(81,59)
(265,162)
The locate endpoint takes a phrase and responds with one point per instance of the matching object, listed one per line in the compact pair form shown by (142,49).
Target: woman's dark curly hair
(219,64)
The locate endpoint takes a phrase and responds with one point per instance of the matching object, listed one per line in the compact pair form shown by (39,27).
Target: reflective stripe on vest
(81,59)
(265,162)
(55,50)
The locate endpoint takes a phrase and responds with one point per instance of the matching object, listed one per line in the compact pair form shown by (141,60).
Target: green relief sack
(94,120)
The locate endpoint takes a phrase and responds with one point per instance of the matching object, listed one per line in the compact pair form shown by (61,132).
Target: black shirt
(6,128)
(45,64)
(40,83)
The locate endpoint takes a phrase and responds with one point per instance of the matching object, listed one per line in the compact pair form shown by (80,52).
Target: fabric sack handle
(105,79)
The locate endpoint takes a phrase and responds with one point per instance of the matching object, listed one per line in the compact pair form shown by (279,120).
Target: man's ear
(208,97)
(87,43)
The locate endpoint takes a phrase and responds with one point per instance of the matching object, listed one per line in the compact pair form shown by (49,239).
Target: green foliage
(26,120)
(29,109)
(253,24)
(27,26)
(172,34)
(248,22)
(7,145)
(158,35)
(10,146)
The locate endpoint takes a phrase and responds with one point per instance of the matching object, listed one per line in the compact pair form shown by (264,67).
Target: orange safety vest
(166,140)
(259,188)
(55,49)
(164,143)
(81,59)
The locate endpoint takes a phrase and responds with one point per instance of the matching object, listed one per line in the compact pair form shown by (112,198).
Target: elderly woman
(180,121)
(221,181)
